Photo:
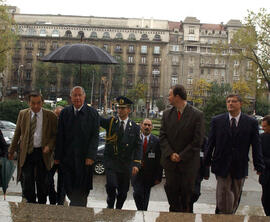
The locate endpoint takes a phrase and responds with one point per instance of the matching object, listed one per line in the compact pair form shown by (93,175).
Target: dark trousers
(117,186)
(77,184)
(266,198)
(196,192)
(141,193)
(35,174)
(59,196)
(179,188)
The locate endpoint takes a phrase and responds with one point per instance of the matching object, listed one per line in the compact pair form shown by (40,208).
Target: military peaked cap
(123,101)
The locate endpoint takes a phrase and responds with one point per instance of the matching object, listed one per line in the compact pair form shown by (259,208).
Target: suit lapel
(27,122)
(227,124)
(44,124)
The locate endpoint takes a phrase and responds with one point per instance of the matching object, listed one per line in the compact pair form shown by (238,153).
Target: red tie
(178,115)
(144,145)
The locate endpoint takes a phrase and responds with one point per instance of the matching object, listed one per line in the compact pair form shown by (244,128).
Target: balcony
(42,47)
(156,73)
(175,63)
(155,84)
(118,50)
(54,47)
(16,57)
(218,66)
(29,47)
(155,64)
(28,57)
(129,51)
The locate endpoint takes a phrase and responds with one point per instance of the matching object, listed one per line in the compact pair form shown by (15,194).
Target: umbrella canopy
(7,171)
(79,54)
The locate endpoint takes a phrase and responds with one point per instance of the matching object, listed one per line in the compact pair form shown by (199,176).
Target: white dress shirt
(125,122)
(38,130)
(236,119)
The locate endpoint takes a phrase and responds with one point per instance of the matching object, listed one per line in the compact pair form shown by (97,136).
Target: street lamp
(20,76)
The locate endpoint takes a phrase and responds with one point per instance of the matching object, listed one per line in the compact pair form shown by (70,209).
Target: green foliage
(62,103)
(160,104)
(9,110)
(216,103)
(8,35)
(262,106)
(138,92)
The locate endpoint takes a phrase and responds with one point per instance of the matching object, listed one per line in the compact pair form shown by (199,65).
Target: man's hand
(157,182)
(175,157)
(259,173)
(11,155)
(135,170)
(89,162)
(46,149)
(56,162)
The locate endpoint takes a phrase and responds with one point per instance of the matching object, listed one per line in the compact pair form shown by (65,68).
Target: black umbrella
(79,54)
(7,171)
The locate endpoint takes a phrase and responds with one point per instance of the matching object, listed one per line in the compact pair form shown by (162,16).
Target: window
(54,45)
(155,72)
(29,44)
(42,44)
(43,33)
(80,34)
(143,60)
(192,48)
(130,59)
(235,72)
(28,75)
(174,81)
(216,61)
(41,54)
(175,48)
(156,50)
(131,48)
(156,60)
(131,36)
(144,49)
(157,37)
(106,35)
(191,61)
(31,31)
(119,35)
(55,33)
(117,48)
(105,47)
(202,71)
(191,30)
(189,80)
(144,37)
(68,34)
(93,35)
(175,60)
(190,70)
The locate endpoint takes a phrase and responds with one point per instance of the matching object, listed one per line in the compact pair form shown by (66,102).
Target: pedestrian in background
(76,147)
(181,137)
(122,155)
(35,131)
(150,173)
(264,178)
(56,197)
(230,137)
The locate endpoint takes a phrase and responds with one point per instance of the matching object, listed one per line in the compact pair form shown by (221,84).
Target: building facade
(157,53)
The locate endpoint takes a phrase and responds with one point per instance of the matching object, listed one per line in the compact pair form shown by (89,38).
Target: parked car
(7,129)
(99,167)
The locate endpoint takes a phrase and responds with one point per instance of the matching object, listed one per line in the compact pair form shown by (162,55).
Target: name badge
(151,155)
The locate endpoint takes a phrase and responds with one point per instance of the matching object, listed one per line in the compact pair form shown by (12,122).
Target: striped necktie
(33,125)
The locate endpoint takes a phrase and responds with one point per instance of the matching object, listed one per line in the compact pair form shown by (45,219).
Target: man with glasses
(122,155)
(227,152)
(150,173)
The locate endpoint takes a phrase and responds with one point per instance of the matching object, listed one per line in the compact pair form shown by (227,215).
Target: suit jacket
(184,136)
(227,155)
(21,136)
(121,155)
(151,169)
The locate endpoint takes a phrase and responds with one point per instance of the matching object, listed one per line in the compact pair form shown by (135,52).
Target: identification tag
(151,155)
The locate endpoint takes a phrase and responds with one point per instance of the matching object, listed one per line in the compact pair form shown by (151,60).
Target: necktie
(76,112)
(33,125)
(144,145)
(178,115)
(233,125)
(121,129)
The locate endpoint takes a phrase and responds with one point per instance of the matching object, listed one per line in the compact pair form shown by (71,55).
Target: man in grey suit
(181,136)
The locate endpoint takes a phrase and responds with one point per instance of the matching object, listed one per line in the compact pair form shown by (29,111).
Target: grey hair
(77,87)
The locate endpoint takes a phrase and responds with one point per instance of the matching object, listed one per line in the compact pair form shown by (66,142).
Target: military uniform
(122,152)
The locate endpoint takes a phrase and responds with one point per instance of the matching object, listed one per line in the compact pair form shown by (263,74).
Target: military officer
(122,155)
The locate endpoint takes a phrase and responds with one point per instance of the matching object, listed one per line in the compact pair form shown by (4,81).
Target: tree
(160,104)
(252,42)
(10,109)
(216,102)
(138,92)
(242,89)
(7,33)
(199,93)
(262,106)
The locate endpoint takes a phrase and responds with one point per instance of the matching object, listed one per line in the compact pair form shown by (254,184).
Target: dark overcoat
(225,154)
(77,139)
(121,155)
(184,137)
(151,169)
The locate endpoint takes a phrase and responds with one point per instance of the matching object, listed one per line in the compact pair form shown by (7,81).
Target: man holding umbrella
(76,146)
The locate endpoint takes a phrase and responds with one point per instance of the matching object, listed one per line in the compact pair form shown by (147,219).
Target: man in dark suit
(264,178)
(36,133)
(122,155)
(181,137)
(150,173)
(230,137)
(76,146)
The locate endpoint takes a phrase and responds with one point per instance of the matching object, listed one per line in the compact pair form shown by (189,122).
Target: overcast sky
(207,11)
